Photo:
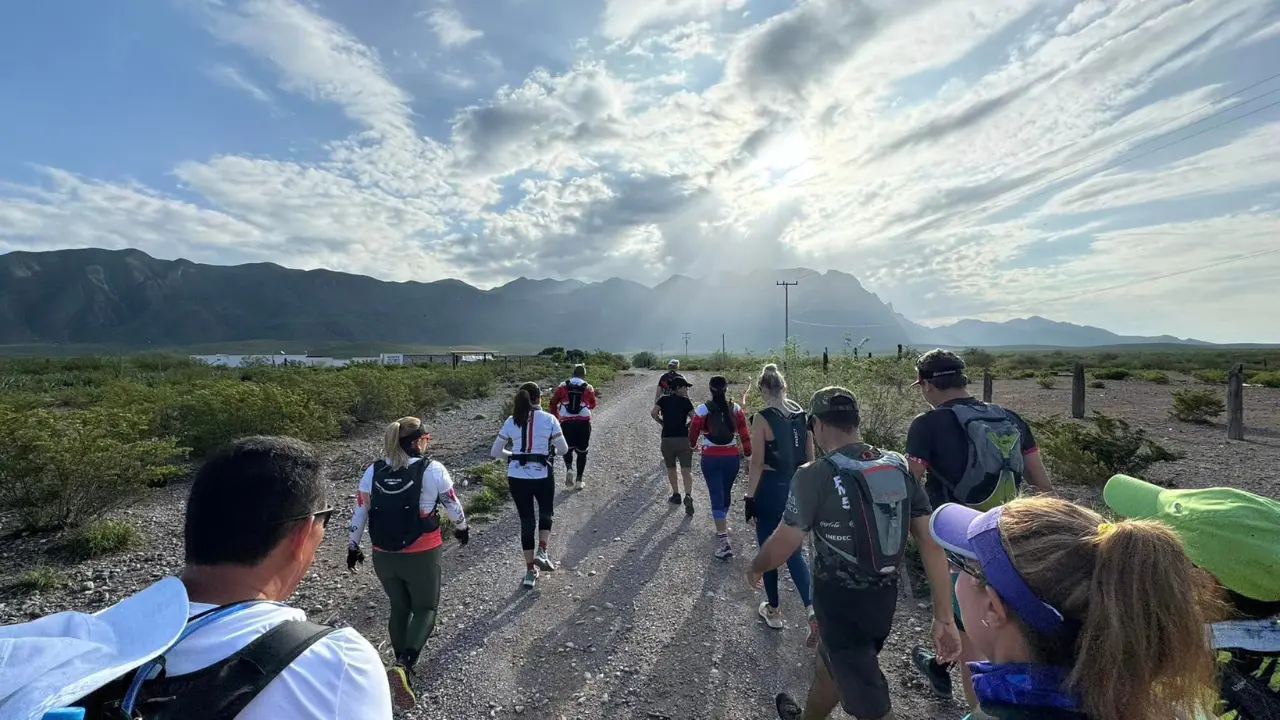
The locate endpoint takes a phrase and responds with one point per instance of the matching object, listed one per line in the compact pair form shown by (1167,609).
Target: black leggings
(577,434)
(524,491)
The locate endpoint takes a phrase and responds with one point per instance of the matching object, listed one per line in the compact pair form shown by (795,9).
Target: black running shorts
(577,433)
(853,624)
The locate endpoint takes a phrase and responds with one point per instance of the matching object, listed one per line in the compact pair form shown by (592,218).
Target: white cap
(58,659)
(673,362)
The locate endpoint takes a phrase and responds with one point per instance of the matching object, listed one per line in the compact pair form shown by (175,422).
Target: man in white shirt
(256,514)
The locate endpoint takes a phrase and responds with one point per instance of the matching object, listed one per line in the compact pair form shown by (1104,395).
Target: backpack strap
(241,677)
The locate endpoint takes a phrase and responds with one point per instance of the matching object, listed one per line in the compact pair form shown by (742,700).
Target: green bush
(1097,384)
(644,359)
(1212,377)
(1196,405)
(213,413)
(978,358)
(1266,379)
(99,538)
(1046,381)
(1025,374)
(1090,453)
(59,469)
(1152,376)
(1110,373)
(39,579)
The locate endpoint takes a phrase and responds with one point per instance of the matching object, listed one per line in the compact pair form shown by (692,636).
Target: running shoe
(401,688)
(542,560)
(568,481)
(531,577)
(688,504)
(580,484)
(812,640)
(772,616)
(787,708)
(939,676)
(725,551)
(674,499)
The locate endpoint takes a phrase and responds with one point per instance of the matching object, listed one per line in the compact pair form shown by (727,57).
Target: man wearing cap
(1234,536)
(949,447)
(854,608)
(664,382)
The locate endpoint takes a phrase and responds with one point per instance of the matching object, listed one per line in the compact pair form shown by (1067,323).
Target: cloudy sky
(1110,162)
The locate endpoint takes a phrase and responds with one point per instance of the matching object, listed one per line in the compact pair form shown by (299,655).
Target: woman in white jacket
(531,433)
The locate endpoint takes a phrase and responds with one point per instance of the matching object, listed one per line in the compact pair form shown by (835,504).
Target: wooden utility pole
(786,310)
(722,350)
(686,345)
(1235,403)
(1077,391)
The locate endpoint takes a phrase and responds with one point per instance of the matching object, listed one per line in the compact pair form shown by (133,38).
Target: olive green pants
(412,583)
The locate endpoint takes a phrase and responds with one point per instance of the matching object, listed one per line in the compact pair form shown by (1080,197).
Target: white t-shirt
(546,428)
(340,676)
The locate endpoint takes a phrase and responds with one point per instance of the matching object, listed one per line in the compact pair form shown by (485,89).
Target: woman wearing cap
(1078,618)
(399,500)
(1231,535)
(531,433)
(672,413)
(718,425)
(781,429)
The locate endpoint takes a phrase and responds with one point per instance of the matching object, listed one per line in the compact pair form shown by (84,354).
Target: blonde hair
(1140,652)
(771,381)
(396,455)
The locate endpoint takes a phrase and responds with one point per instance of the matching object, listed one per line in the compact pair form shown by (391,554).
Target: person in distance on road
(781,429)
(718,425)
(968,452)
(532,434)
(859,504)
(672,412)
(664,382)
(1078,618)
(1231,535)
(572,403)
(399,500)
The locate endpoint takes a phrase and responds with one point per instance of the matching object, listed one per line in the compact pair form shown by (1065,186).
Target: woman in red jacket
(717,427)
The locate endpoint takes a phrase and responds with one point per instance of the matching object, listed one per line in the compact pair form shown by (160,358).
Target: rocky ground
(641,620)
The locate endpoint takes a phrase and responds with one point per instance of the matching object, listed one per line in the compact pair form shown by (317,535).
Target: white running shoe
(772,616)
(542,560)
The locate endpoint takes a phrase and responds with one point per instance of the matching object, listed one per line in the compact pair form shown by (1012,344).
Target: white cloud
(626,18)
(229,76)
(450,27)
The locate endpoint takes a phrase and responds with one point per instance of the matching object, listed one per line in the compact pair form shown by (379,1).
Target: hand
(946,641)
(749,504)
(755,580)
(354,556)
(462,535)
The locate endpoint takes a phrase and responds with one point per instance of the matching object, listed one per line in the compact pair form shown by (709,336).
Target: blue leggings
(771,499)
(720,471)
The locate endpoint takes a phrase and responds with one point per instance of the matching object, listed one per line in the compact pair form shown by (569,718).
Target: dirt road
(640,621)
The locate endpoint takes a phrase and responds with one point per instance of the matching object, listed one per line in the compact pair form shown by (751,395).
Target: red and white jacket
(561,396)
(698,430)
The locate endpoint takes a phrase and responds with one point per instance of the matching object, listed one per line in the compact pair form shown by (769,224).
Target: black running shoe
(674,499)
(688,504)
(787,708)
(939,676)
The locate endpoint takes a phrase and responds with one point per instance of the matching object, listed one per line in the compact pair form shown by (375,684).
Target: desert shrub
(1090,453)
(1046,381)
(1266,379)
(466,382)
(1152,376)
(59,469)
(1097,384)
(1025,374)
(1196,405)
(976,358)
(39,579)
(213,413)
(1110,373)
(1213,377)
(99,538)
(644,359)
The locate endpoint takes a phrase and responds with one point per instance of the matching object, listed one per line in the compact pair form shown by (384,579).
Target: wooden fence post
(825,361)
(987,383)
(899,351)
(1235,403)
(1077,391)
(855,353)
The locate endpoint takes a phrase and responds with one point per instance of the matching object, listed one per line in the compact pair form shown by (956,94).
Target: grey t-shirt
(814,507)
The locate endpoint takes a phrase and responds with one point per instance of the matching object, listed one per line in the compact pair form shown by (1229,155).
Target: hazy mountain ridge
(127,297)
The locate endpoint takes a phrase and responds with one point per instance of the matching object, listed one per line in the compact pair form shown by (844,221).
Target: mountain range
(128,298)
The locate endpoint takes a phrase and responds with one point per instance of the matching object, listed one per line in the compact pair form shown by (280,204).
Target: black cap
(938,363)
(679,381)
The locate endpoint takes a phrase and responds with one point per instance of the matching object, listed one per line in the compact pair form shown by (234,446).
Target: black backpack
(218,692)
(720,429)
(790,435)
(574,392)
(395,516)
(879,509)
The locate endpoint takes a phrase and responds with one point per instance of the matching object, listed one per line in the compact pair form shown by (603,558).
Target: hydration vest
(995,456)
(875,489)
(790,435)
(720,429)
(573,393)
(395,515)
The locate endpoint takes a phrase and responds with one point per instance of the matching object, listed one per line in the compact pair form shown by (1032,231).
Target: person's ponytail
(394,445)
(526,402)
(719,386)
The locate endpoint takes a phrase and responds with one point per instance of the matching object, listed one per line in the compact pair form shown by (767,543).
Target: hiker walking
(664,381)
(572,403)
(859,504)
(399,500)
(967,452)
(718,425)
(532,434)
(672,412)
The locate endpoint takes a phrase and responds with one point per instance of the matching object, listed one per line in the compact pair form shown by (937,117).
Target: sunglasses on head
(320,515)
(968,566)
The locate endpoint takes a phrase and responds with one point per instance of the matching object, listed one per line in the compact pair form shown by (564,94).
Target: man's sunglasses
(321,515)
(968,566)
